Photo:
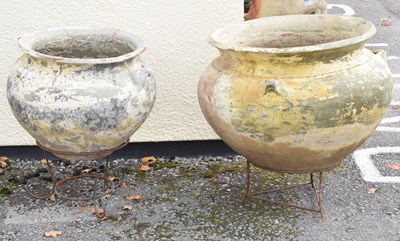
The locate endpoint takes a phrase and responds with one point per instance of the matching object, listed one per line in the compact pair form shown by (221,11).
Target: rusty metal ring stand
(317,191)
(56,185)
(95,196)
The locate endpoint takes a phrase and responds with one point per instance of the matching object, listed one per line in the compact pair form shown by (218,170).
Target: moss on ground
(166,164)
(113,236)
(189,172)
(5,191)
(129,171)
(215,168)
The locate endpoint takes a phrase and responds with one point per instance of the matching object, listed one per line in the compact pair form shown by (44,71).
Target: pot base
(73,156)
(297,171)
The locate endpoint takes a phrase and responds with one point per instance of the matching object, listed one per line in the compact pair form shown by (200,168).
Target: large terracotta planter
(296,93)
(81,92)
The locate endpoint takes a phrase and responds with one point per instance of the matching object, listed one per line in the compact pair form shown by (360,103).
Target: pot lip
(212,39)
(26,42)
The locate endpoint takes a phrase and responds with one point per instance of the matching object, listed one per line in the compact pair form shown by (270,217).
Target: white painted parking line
(348,11)
(369,171)
(391,120)
(376,45)
(388,128)
(363,158)
(394,102)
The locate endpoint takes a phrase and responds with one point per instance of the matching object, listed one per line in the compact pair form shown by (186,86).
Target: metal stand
(97,178)
(317,190)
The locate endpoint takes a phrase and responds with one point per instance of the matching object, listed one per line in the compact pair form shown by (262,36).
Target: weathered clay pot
(81,92)
(296,93)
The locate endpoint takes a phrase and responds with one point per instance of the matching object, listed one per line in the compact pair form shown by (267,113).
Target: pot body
(290,111)
(80,110)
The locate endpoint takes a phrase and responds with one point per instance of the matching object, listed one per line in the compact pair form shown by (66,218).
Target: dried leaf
(133,197)
(104,218)
(3,164)
(52,197)
(86,171)
(44,161)
(111,179)
(148,160)
(127,207)
(144,168)
(1,171)
(98,211)
(372,190)
(122,184)
(52,233)
(394,166)
(4,158)
(93,210)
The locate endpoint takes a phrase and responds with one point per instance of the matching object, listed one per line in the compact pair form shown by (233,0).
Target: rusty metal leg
(28,189)
(312,181)
(318,193)
(99,203)
(320,197)
(123,174)
(317,190)
(106,171)
(247,192)
(96,180)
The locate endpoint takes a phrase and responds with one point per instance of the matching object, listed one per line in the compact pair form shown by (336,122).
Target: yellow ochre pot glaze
(295,93)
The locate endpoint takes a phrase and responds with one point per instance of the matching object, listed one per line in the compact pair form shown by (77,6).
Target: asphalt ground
(198,198)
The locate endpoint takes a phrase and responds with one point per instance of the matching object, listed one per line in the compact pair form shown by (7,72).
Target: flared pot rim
(218,40)
(28,41)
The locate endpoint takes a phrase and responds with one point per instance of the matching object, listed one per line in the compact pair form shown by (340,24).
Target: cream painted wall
(175,33)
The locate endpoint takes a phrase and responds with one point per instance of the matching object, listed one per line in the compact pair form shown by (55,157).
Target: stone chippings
(194,199)
(198,198)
